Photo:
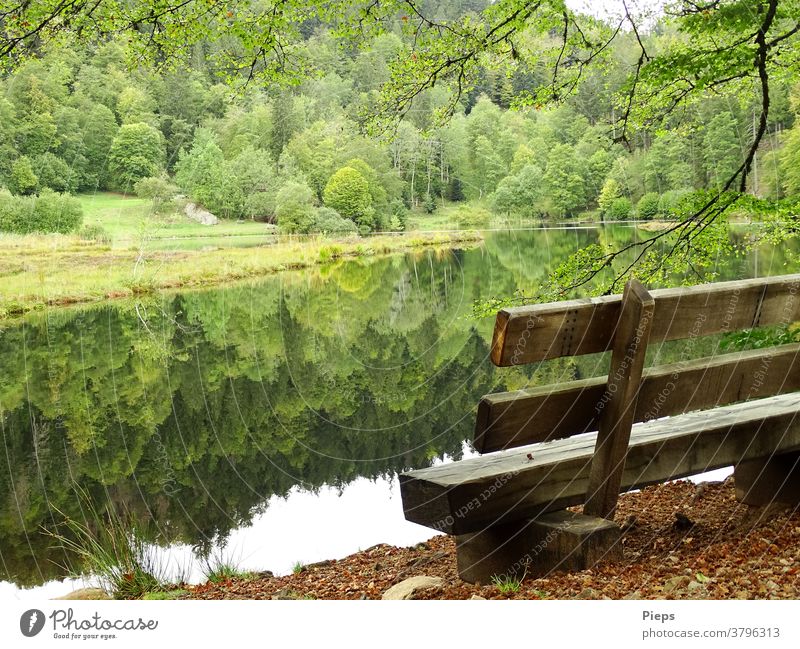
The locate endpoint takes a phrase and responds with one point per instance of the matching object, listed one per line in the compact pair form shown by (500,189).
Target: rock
(86,593)
(407,588)
(200,214)
(476,597)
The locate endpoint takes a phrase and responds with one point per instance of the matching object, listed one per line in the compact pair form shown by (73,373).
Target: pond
(264,422)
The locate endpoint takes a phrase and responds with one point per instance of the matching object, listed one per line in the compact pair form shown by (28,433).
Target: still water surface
(265,422)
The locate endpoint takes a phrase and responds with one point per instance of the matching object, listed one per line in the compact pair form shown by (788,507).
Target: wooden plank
(465,496)
(510,419)
(571,328)
(622,392)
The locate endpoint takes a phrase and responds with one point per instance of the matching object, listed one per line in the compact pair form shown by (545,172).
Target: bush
(94,233)
(260,207)
(48,212)
(471,216)
(648,206)
(398,219)
(328,221)
(294,207)
(670,201)
(620,209)
(23,180)
(348,193)
(430,204)
(159,190)
(54,173)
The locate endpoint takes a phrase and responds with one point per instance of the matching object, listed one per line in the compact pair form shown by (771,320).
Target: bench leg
(535,547)
(769,480)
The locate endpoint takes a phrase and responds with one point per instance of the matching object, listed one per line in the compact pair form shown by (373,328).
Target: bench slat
(533,333)
(510,419)
(465,496)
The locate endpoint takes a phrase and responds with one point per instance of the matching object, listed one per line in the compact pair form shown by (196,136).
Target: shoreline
(731,551)
(727,551)
(92,274)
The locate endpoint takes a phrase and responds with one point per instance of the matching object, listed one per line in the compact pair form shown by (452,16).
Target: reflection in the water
(191,411)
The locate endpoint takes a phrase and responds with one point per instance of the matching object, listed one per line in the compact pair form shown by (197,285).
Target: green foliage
(48,212)
(260,206)
(159,190)
(519,193)
(137,152)
(348,193)
(23,180)
(112,547)
(294,208)
(648,206)
(507,584)
(611,191)
(54,173)
(620,209)
(327,221)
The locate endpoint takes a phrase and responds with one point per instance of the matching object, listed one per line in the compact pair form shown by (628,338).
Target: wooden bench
(549,448)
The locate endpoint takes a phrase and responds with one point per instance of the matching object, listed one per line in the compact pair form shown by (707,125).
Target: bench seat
(469,495)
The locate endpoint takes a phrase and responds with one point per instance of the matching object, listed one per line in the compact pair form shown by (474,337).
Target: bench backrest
(625,324)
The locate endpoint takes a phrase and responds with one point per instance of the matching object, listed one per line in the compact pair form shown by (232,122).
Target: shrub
(23,180)
(54,173)
(670,201)
(398,215)
(260,206)
(430,204)
(471,216)
(136,152)
(648,206)
(294,208)
(620,209)
(94,233)
(328,221)
(48,212)
(348,193)
(159,190)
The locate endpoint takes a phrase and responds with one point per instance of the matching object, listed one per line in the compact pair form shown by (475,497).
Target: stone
(86,593)
(407,588)
(200,214)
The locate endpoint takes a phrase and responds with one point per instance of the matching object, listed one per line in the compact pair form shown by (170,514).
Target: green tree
(294,208)
(23,180)
(54,173)
(722,150)
(136,152)
(563,182)
(347,192)
(648,206)
(611,191)
(200,171)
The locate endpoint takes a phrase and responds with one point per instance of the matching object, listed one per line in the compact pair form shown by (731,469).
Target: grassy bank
(124,251)
(40,271)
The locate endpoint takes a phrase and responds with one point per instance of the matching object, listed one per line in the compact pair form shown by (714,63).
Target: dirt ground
(720,550)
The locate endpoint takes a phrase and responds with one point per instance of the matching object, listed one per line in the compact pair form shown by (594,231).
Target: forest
(80,118)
